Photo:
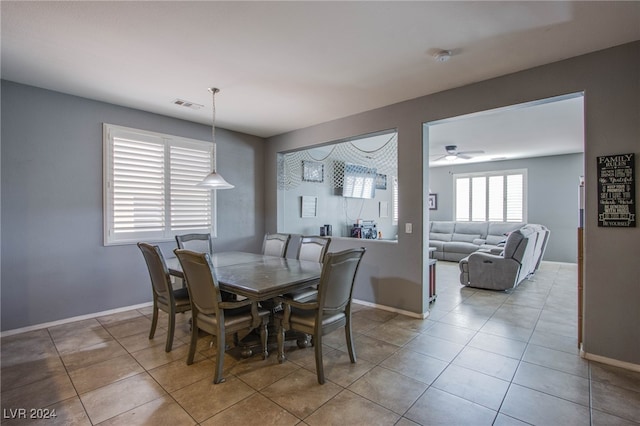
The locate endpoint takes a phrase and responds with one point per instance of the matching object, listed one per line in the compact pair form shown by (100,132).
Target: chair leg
(280,343)
(154,320)
(220,348)
(264,337)
(194,340)
(171,331)
(304,341)
(319,365)
(350,346)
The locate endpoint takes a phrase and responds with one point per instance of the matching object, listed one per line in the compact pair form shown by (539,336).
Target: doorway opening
(544,139)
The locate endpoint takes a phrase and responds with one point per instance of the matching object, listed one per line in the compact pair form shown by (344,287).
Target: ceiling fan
(454,154)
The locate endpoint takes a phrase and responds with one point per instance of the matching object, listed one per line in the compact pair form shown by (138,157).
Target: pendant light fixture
(214,180)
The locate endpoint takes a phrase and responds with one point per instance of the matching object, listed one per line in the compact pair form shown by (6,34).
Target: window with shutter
(151,190)
(498,196)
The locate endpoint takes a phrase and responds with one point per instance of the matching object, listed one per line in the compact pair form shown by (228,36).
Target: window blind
(515,199)
(495,196)
(151,190)
(190,204)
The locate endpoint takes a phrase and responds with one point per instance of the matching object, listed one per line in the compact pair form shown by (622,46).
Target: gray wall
(54,265)
(611,82)
(552,196)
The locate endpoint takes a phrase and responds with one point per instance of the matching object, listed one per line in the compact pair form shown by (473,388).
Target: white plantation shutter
(150,186)
(478,199)
(463,199)
(515,198)
(138,186)
(495,196)
(190,204)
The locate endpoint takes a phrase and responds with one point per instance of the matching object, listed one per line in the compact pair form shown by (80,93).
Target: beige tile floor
(480,358)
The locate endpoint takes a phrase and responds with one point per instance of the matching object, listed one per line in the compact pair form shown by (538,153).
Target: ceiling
(287,65)
(537,129)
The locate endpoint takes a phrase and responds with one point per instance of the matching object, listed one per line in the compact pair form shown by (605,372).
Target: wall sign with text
(616,191)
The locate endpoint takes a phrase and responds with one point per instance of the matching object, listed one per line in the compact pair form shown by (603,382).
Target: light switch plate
(408,228)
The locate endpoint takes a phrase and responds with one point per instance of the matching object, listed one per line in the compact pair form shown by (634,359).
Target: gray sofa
(519,259)
(454,241)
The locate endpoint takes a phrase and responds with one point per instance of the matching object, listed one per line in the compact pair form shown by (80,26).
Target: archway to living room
(517,164)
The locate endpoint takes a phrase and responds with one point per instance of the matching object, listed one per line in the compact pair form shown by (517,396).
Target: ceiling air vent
(187,104)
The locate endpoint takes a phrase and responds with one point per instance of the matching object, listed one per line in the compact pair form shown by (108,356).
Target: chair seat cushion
(231,317)
(181,296)
(307,318)
(303,295)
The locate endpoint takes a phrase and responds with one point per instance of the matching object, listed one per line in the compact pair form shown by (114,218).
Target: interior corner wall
(610,80)
(54,264)
(552,196)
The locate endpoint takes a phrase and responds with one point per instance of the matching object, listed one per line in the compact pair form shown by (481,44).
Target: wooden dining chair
(165,298)
(331,310)
(275,244)
(201,243)
(312,249)
(213,315)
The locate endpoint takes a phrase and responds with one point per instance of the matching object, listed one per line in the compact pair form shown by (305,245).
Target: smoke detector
(442,56)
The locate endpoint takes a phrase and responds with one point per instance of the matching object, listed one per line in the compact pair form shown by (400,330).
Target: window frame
(111,132)
(394,201)
(486,175)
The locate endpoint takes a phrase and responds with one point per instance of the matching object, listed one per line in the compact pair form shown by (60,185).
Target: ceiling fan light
(450,157)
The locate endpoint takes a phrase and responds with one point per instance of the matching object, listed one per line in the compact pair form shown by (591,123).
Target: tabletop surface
(257,276)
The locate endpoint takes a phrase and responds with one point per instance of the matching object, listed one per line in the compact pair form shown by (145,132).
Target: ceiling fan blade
(464,156)
(441,157)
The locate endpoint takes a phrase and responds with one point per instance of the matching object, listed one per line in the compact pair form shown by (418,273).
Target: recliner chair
(503,271)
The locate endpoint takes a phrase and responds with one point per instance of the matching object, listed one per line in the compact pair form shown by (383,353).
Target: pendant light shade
(214,180)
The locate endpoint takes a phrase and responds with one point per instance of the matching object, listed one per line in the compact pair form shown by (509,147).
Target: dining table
(256,276)
(259,278)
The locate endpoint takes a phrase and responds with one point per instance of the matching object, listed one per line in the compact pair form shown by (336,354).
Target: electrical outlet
(408,228)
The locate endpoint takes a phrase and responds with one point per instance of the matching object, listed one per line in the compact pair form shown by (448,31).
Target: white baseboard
(73,319)
(390,309)
(144,305)
(609,361)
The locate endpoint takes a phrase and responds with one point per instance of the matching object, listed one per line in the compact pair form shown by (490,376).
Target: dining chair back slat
(200,243)
(313,248)
(275,244)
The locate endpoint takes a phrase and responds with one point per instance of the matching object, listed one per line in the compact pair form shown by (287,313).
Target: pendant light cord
(213,91)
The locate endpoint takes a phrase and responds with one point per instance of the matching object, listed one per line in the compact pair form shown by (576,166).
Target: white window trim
(525,185)
(109,132)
